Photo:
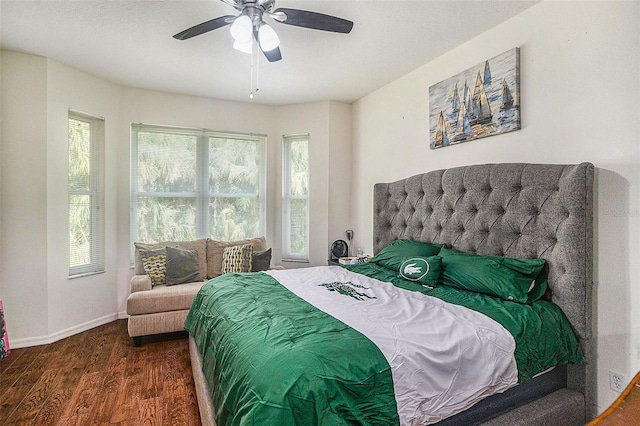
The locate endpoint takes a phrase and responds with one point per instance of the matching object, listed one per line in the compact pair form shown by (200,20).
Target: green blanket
(542,333)
(264,368)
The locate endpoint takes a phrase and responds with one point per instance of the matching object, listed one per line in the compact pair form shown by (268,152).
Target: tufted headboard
(513,210)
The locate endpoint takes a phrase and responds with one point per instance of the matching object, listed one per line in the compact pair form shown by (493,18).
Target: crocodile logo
(348,289)
(411,269)
(414,269)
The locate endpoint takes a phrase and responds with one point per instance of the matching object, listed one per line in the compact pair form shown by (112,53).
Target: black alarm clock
(339,248)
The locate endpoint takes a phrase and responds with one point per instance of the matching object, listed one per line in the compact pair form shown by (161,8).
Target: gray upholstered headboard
(514,210)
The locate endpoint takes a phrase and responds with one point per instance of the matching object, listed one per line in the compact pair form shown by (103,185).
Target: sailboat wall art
(479,102)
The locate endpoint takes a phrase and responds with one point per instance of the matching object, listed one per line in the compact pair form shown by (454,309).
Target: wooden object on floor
(625,410)
(100,377)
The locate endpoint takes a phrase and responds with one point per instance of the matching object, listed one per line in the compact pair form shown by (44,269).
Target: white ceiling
(129,43)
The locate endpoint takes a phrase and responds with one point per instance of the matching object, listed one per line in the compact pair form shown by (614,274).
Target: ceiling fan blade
(205,27)
(230,3)
(314,20)
(272,55)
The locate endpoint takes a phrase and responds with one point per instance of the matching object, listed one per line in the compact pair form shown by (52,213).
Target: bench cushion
(163,298)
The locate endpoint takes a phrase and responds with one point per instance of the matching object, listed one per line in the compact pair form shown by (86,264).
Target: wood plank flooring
(99,377)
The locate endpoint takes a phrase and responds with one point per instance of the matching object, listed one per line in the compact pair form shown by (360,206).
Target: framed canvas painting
(479,102)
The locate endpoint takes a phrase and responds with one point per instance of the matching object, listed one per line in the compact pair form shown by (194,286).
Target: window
(86,194)
(188,184)
(295,203)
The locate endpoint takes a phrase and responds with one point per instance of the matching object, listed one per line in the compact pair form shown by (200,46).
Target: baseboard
(123,315)
(45,340)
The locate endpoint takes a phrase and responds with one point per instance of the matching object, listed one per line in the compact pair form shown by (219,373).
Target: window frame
(202,194)
(287,198)
(96,193)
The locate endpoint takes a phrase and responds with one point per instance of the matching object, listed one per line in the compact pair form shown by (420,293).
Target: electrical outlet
(616,381)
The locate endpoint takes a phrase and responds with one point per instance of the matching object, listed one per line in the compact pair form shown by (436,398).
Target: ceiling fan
(250,24)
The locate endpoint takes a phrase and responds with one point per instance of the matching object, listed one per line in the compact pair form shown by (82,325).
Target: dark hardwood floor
(99,378)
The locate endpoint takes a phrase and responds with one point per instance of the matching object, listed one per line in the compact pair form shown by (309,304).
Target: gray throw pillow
(182,266)
(261,260)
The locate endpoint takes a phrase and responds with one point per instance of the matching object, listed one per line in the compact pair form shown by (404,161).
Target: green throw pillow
(182,266)
(515,280)
(425,270)
(395,253)
(155,264)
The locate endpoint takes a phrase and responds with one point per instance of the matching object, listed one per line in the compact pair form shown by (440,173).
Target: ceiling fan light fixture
(242,29)
(249,25)
(268,38)
(243,47)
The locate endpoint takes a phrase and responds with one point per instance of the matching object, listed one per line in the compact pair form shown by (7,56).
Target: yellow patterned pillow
(155,265)
(237,258)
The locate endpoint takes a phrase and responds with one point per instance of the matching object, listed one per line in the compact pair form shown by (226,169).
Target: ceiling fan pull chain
(255,65)
(257,71)
(251,76)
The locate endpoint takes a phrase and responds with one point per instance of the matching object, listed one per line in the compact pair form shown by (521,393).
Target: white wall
(340,165)
(1,145)
(23,188)
(580,86)
(42,304)
(88,300)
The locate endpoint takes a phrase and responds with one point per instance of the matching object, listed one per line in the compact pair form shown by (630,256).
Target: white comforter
(444,358)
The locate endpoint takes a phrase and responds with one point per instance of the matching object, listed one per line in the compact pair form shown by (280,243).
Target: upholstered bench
(162,308)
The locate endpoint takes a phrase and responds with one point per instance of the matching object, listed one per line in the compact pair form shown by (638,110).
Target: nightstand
(333,262)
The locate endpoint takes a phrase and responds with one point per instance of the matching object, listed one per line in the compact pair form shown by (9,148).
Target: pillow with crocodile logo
(425,270)
(395,253)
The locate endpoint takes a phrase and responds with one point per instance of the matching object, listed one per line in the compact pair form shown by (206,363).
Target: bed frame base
(205,403)
(561,407)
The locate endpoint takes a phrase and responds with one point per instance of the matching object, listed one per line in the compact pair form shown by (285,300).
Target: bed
(510,211)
